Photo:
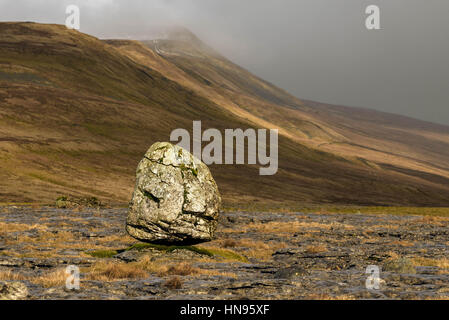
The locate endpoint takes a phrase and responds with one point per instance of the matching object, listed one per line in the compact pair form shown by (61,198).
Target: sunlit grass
(420,211)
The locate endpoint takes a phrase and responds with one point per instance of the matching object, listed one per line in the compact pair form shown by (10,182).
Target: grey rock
(128,256)
(175,200)
(290,273)
(13,291)
(11,262)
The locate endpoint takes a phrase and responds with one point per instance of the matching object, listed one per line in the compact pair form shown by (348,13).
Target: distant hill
(78,113)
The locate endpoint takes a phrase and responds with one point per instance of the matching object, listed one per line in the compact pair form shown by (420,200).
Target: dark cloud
(316,49)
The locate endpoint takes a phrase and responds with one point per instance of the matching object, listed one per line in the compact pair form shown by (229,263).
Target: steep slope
(348,132)
(376,139)
(77,114)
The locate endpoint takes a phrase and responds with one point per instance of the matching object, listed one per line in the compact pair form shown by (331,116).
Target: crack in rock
(175,199)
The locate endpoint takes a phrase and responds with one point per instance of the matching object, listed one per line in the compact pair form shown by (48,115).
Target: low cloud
(317,50)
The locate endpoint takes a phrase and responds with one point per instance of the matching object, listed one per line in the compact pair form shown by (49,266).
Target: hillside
(353,133)
(78,113)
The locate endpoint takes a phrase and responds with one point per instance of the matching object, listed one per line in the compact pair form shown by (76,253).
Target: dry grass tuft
(399,265)
(438,298)
(54,278)
(11,276)
(173,283)
(262,250)
(6,227)
(182,269)
(316,249)
(110,271)
(429,262)
(229,243)
(402,243)
(147,264)
(393,255)
(323,296)
(435,220)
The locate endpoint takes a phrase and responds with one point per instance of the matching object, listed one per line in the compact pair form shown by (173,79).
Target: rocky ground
(256,256)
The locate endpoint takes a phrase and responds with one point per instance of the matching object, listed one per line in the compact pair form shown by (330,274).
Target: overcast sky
(315,49)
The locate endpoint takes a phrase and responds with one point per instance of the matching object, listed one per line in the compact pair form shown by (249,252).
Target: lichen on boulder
(175,200)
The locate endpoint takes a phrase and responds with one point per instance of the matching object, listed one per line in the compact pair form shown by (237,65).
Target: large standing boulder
(175,200)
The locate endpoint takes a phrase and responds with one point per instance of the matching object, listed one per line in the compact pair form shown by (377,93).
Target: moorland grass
(348,209)
(210,252)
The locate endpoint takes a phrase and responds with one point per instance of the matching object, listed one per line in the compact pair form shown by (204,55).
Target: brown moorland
(78,113)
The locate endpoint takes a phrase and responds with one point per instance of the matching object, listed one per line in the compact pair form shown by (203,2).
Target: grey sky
(316,49)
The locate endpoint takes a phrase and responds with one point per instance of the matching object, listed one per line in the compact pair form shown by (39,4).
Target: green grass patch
(102,253)
(222,253)
(343,209)
(166,248)
(420,211)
